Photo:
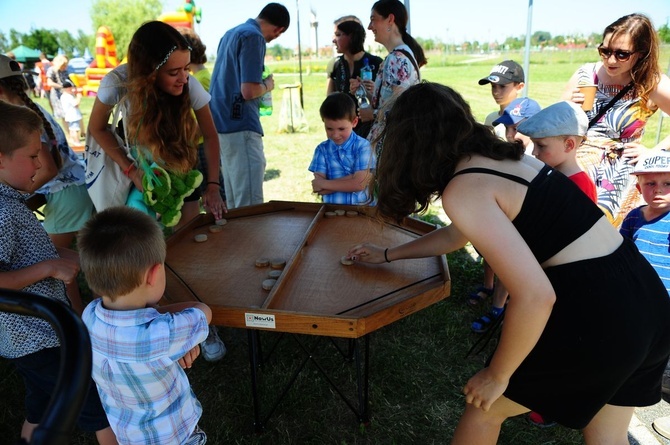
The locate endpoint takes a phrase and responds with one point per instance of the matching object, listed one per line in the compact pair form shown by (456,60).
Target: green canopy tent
(26,55)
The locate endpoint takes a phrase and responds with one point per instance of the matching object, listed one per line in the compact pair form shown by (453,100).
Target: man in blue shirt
(237,85)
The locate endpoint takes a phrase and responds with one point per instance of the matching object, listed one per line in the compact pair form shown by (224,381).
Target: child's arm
(63,269)
(351,183)
(178,307)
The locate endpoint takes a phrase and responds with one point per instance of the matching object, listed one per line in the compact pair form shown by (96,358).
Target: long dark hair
(387,7)
(646,73)
(161,122)
(428,130)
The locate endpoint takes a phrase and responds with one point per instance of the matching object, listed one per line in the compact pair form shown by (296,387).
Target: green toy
(164,191)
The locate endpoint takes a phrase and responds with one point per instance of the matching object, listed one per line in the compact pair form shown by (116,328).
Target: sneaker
(539,421)
(213,348)
(662,426)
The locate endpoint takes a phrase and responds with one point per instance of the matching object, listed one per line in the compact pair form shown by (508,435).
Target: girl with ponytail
(399,70)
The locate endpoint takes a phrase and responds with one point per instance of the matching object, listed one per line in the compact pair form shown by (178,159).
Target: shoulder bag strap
(411,59)
(611,103)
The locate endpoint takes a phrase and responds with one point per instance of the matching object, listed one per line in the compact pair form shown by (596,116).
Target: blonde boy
(649,228)
(139,349)
(556,133)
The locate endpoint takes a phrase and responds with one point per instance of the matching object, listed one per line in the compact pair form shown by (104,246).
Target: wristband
(127,170)
(386,251)
(214,182)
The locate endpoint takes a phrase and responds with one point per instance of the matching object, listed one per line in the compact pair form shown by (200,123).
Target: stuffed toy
(164,191)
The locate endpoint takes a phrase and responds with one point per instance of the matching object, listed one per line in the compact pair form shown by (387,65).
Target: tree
(123,17)
(664,33)
(540,38)
(42,39)
(4,44)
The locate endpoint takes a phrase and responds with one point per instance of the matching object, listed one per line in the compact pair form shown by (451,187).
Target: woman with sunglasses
(631,87)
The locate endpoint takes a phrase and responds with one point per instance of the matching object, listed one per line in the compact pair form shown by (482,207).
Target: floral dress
(600,154)
(397,73)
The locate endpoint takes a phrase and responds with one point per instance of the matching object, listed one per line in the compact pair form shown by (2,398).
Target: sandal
(480,294)
(483,323)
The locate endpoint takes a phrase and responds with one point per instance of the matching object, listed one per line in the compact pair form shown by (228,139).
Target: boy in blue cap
(518,110)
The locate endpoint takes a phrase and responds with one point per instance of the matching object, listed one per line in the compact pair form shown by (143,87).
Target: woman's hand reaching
(367,253)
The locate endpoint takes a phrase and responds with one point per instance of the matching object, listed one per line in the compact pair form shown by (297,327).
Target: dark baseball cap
(505,72)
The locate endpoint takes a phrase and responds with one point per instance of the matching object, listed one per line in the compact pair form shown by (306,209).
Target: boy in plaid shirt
(342,164)
(140,349)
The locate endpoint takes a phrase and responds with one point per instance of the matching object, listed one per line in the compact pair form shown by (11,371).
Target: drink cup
(589,92)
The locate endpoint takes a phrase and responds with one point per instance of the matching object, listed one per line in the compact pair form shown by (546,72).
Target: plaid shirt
(338,161)
(145,393)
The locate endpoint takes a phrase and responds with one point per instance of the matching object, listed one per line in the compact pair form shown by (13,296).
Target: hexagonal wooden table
(315,294)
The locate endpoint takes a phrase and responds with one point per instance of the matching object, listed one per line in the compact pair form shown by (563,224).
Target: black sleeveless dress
(607,340)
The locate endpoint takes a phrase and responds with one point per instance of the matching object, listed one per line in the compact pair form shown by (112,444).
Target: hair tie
(166,57)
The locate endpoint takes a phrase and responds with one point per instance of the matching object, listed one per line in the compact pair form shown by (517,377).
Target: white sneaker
(662,426)
(213,348)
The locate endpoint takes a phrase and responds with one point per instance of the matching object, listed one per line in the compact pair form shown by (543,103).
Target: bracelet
(127,170)
(265,85)
(214,182)
(386,251)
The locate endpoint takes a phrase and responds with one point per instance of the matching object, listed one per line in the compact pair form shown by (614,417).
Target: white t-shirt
(70,108)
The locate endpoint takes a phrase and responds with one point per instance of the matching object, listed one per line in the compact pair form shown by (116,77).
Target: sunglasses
(619,54)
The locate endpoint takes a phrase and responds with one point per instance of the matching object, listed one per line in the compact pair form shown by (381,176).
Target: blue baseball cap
(560,119)
(518,110)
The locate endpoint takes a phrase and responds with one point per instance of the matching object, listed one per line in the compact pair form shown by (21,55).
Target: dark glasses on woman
(619,54)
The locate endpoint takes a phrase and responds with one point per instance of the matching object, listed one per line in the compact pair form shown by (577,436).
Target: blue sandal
(483,324)
(480,294)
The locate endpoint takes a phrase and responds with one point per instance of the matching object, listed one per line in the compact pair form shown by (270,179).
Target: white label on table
(260,320)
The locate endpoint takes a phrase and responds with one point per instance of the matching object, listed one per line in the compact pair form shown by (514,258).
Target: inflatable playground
(105,58)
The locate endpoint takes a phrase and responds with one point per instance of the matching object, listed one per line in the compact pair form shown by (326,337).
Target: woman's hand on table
(212,201)
(367,253)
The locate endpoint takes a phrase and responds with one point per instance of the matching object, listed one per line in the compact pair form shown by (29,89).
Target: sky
(451,21)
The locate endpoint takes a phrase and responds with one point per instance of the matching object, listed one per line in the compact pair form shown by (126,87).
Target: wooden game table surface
(315,293)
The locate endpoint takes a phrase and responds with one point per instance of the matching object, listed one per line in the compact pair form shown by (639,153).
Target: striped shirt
(651,239)
(145,393)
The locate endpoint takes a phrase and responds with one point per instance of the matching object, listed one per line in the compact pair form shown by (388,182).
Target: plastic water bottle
(266,99)
(362,97)
(366,70)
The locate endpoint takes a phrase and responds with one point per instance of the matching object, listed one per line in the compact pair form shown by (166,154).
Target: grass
(418,364)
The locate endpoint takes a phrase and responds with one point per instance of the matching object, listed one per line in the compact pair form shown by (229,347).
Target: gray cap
(9,67)
(560,119)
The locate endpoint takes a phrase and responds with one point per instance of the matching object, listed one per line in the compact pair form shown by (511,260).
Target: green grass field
(418,364)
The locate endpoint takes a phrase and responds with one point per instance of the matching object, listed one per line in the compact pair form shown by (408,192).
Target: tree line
(123,17)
